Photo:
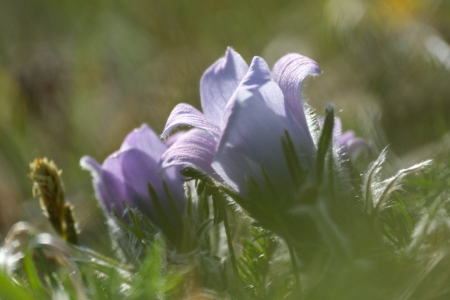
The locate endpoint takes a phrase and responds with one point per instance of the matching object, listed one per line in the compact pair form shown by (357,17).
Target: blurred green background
(77,76)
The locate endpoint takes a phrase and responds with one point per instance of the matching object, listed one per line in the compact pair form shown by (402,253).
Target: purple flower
(349,146)
(352,146)
(247,112)
(126,174)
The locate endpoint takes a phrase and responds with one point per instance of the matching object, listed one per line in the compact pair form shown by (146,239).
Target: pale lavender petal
(345,138)
(289,72)
(257,80)
(257,75)
(143,138)
(195,149)
(109,189)
(174,182)
(126,174)
(91,165)
(139,170)
(186,115)
(357,146)
(219,82)
(173,138)
(251,140)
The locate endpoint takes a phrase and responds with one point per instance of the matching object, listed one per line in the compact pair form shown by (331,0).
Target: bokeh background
(77,76)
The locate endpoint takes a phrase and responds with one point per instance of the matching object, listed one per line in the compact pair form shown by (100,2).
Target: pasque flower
(130,175)
(349,145)
(247,111)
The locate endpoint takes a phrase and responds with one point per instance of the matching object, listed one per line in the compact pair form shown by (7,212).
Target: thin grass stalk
(293,258)
(220,201)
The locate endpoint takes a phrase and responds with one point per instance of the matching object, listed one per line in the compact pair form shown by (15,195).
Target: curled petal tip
(186,115)
(89,164)
(302,65)
(289,72)
(196,148)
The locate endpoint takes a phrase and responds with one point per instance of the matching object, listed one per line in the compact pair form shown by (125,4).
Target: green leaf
(325,142)
(296,171)
(46,267)
(150,282)
(165,225)
(12,291)
(33,275)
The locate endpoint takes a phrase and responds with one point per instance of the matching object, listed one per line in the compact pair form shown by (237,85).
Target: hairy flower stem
(293,261)
(220,201)
(330,232)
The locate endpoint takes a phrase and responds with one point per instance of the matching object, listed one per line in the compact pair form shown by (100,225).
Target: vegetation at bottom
(386,236)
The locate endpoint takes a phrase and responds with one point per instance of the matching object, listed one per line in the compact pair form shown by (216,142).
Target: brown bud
(70,229)
(47,184)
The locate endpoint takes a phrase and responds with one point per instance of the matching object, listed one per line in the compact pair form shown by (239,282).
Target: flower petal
(257,80)
(289,72)
(196,149)
(345,137)
(138,169)
(186,115)
(352,145)
(251,140)
(174,182)
(219,82)
(173,138)
(357,146)
(143,138)
(109,190)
